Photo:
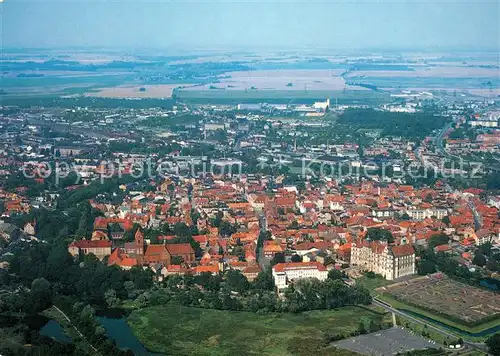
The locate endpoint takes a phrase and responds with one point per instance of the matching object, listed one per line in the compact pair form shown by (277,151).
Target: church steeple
(139,242)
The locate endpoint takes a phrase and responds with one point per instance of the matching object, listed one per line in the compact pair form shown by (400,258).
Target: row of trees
(232,291)
(431,262)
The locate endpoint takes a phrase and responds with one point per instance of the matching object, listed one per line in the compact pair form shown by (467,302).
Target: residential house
(99,248)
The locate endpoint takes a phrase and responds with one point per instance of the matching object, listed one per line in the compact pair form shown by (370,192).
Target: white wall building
(286,273)
(389,261)
(421,214)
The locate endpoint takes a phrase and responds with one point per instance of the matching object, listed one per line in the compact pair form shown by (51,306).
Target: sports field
(180,330)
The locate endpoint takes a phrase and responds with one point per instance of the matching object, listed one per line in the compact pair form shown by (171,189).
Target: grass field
(372,283)
(180,330)
(419,329)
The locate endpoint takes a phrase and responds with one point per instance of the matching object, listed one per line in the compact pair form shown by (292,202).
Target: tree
(238,251)
(237,281)
(334,274)
(278,258)
(129,235)
(426,266)
(41,295)
(264,280)
(182,230)
(486,249)
(370,274)
(479,259)
(296,258)
(493,265)
(207,281)
(218,218)
(86,220)
(375,234)
(446,220)
(111,299)
(405,216)
(152,235)
(361,328)
(373,326)
(438,239)
(226,229)
(165,228)
(177,260)
(493,343)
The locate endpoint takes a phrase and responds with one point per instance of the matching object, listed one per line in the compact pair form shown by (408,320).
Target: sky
(396,24)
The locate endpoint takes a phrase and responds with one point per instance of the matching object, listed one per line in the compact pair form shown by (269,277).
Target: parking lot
(386,342)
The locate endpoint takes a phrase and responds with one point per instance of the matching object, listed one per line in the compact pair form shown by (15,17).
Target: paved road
(474,345)
(263,261)
(438,141)
(477,218)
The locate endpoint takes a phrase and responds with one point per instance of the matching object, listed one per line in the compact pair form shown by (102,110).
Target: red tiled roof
(155,249)
(209,268)
(272,246)
(179,249)
(403,250)
(285,201)
(280,267)
(252,269)
(405,188)
(91,244)
(321,245)
(442,248)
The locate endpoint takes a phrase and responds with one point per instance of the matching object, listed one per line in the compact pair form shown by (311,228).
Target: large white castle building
(389,261)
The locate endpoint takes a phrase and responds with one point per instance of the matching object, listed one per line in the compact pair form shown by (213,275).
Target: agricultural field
(60,84)
(192,331)
(358,79)
(431,72)
(282,80)
(137,91)
(220,96)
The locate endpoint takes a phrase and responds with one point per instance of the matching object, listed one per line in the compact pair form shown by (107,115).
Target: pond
(118,330)
(490,283)
(55,331)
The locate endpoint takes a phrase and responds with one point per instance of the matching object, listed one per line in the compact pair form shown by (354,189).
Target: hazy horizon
(221,25)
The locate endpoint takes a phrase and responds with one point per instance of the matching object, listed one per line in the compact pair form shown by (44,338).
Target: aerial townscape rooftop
(257,178)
